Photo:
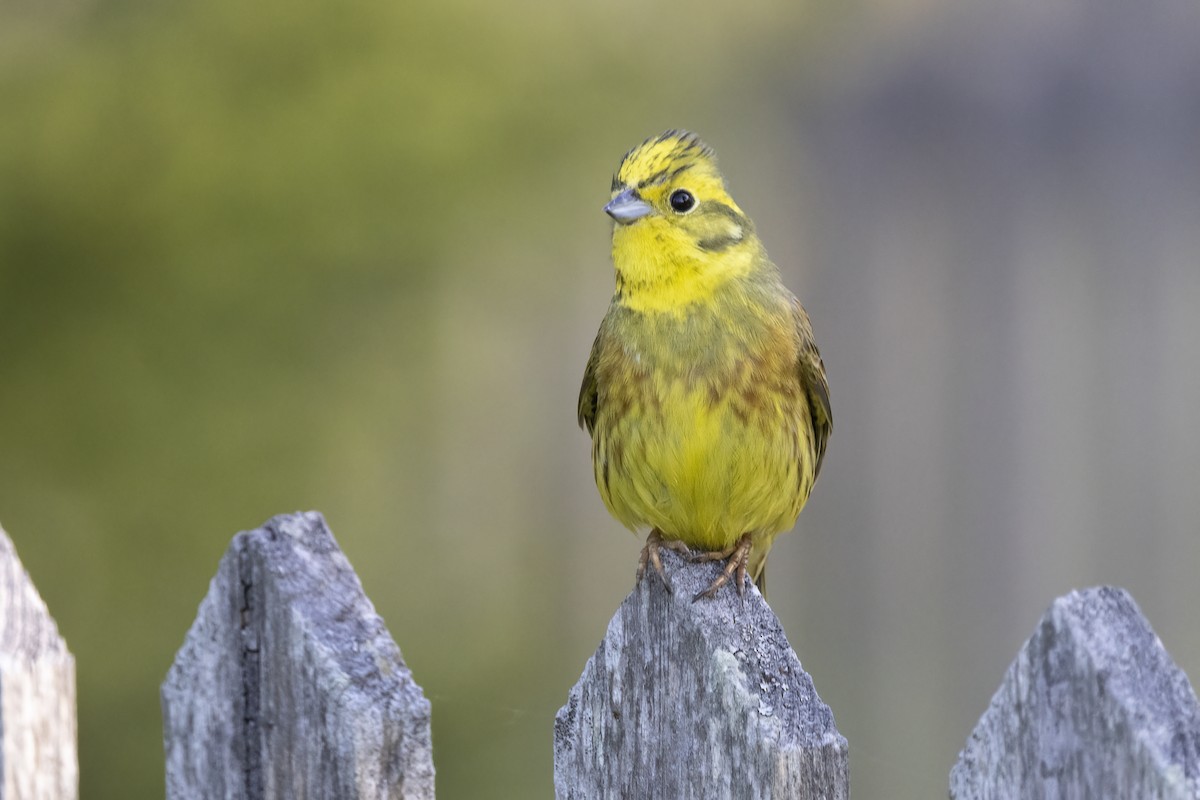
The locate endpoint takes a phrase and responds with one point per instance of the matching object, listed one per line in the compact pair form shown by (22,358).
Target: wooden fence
(288,685)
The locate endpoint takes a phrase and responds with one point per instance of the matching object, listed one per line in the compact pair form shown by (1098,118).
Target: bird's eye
(682,201)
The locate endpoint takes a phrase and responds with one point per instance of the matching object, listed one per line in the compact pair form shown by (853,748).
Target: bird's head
(674,216)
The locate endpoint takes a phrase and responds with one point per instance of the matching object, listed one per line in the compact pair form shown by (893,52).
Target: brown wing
(589,394)
(811,371)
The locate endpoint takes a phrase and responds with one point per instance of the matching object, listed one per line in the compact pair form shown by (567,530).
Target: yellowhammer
(704,395)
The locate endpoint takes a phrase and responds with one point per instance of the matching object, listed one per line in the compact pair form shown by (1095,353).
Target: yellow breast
(702,428)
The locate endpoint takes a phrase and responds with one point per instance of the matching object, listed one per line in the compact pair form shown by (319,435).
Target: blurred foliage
(228,234)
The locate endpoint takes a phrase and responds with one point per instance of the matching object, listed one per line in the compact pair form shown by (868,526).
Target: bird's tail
(758,565)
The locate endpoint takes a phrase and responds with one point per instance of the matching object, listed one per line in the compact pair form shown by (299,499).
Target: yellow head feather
(689,237)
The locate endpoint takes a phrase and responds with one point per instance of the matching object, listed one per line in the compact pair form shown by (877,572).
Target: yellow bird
(705,395)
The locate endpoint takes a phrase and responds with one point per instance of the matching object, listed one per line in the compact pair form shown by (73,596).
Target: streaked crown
(664,159)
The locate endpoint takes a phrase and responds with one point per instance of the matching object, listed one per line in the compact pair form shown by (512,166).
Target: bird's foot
(736,559)
(650,555)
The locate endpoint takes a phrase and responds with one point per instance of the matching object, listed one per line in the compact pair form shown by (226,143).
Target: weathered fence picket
(1093,706)
(38,755)
(289,685)
(702,699)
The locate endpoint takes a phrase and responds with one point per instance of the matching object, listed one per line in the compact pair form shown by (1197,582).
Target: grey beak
(628,207)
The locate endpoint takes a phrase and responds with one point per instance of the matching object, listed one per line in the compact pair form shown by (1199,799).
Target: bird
(704,395)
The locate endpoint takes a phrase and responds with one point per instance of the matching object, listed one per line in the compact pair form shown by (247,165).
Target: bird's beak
(628,207)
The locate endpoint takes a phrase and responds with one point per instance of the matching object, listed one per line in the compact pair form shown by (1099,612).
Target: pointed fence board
(1093,706)
(288,685)
(38,756)
(702,699)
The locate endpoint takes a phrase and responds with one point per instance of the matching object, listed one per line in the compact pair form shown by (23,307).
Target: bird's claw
(650,555)
(736,560)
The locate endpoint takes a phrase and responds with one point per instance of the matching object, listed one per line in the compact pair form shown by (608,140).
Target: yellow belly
(705,470)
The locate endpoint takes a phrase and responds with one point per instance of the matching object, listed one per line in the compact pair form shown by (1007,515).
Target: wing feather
(589,393)
(811,371)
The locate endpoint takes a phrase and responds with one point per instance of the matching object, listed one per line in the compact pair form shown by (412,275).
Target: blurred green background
(277,256)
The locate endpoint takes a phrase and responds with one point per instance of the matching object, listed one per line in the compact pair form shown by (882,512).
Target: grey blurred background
(256,258)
